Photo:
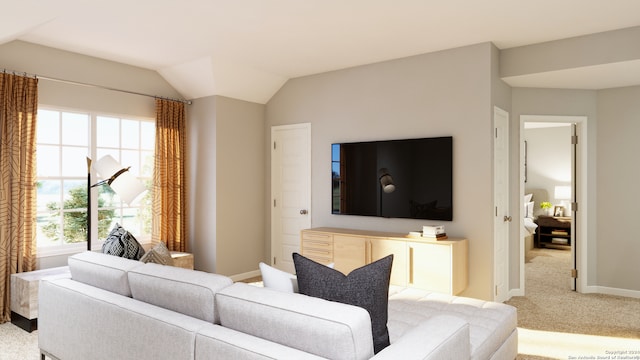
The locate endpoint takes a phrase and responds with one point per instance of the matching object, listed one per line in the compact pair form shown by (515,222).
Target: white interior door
(290,191)
(502,216)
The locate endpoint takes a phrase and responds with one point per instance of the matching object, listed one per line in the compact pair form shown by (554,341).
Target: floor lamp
(122,182)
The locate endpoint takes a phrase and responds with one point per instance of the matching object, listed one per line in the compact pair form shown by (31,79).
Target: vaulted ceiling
(247,49)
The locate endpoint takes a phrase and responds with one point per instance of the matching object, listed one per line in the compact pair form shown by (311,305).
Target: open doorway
(550,169)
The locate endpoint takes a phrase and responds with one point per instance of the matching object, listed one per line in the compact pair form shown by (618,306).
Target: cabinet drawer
(317,241)
(317,247)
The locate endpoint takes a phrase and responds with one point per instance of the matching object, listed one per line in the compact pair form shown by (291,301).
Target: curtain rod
(188,102)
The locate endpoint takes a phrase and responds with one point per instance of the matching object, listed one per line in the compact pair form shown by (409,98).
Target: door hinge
(274,145)
(274,260)
(496,290)
(496,130)
(574,140)
(274,202)
(574,206)
(574,273)
(496,211)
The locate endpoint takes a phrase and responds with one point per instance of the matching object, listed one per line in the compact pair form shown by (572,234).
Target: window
(65,139)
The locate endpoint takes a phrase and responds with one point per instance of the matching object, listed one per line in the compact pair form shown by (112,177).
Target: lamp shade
(124,184)
(562,192)
(386,181)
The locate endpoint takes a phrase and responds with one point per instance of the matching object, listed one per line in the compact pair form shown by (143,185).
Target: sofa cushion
(159,254)
(490,323)
(121,243)
(305,323)
(439,337)
(218,342)
(367,287)
(182,290)
(78,321)
(103,271)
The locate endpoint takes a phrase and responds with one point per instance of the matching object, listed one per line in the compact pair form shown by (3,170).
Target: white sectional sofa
(114,308)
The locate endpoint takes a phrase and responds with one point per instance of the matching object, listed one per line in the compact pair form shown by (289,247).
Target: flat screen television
(409,178)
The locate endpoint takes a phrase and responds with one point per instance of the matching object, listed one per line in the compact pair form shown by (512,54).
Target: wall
(548,159)
(202,179)
(618,172)
(437,94)
(44,61)
(226,144)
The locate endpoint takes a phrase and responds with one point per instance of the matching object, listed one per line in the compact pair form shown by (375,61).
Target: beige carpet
(17,344)
(566,323)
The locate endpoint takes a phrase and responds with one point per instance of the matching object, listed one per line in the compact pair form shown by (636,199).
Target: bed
(532,200)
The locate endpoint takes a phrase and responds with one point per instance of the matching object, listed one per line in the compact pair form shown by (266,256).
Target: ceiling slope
(246,49)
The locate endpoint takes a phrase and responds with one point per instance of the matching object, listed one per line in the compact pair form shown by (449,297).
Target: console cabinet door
(383,247)
(349,252)
(430,267)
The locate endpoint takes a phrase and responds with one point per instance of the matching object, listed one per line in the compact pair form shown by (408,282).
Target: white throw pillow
(277,279)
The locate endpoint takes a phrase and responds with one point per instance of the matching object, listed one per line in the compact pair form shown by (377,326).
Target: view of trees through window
(65,139)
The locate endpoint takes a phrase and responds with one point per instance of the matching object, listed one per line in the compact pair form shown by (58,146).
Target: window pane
(130,158)
(148,135)
(75,211)
(130,134)
(48,195)
(108,132)
(74,161)
(107,219)
(131,221)
(147,164)
(107,197)
(48,229)
(48,158)
(115,153)
(75,129)
(48,131)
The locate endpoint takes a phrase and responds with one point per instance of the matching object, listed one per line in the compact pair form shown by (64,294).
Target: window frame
(92,148)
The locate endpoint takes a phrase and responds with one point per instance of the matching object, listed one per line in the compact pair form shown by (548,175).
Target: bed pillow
(528,209)
(366,287)
(527,198)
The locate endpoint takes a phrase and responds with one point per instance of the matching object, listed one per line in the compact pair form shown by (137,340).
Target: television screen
(409,178)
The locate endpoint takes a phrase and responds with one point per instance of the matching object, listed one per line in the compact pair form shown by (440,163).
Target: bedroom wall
(21,56)
(436,94)
(617,208)
(548,159)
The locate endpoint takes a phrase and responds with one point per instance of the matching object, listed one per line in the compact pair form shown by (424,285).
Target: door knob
(507,218)
(303,212)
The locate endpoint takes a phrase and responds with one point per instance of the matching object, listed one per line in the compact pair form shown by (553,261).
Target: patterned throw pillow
(367,287)
(121,243)
(159,254)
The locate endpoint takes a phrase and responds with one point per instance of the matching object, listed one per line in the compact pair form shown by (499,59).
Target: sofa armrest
(440,337)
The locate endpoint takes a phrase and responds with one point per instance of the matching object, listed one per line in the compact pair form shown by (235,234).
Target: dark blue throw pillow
(366,287)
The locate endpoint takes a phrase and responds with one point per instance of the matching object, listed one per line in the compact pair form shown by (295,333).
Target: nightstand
(553,231)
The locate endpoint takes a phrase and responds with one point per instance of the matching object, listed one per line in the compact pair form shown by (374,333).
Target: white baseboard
(515,292)
(613,291)
(244,276)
